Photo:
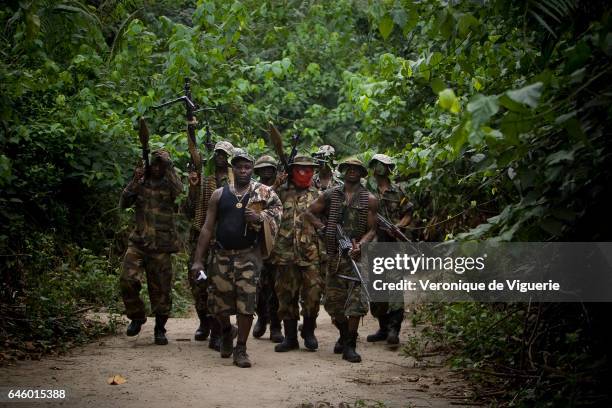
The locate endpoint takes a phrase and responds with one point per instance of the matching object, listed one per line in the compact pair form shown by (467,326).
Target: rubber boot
(383,331)
(349,353)
(159,332)
(260,326)
(227,342)
(395,325)
(343,329)
(214,342)
(203,330)
(290,342)
(135,326)
(276,336)
(241,358)
(310,341)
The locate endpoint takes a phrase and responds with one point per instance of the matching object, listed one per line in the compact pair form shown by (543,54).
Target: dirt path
(187,373)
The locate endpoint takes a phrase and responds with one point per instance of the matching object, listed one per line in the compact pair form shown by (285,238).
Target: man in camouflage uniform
(200,190)
(151,243)
(326,176)
(296,258)
(267,302)
(354,208)
(244,218)
(393,204)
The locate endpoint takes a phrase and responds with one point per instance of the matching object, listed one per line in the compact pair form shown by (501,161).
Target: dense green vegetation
(496,112)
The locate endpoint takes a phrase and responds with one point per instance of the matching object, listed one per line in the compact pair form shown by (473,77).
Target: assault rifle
(391,228)
(277,143)
(344,246)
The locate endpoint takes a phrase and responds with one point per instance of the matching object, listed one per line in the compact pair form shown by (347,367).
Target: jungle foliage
(496,112)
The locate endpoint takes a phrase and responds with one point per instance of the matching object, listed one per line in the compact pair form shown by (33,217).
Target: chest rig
(337,211)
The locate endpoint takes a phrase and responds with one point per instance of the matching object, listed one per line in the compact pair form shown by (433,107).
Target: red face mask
(302,176)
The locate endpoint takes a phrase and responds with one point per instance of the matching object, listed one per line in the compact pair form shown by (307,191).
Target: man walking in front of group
(238,216)
(152,192)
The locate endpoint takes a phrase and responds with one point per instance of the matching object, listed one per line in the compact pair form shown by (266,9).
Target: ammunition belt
(336,213)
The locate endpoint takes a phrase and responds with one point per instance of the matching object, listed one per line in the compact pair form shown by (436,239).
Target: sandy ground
(187,373)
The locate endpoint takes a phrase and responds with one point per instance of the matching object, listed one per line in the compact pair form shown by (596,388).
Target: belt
(222,251)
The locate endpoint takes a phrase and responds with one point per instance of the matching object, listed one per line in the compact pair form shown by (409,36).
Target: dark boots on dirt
(290,342)
(395,324)
(203,330)
(159,332)
(349,352)
(308,328)
(227,342)
(214,342)
(135,326)
(383,331)
(260,326)
(241,358)
(276,335)
(343,329)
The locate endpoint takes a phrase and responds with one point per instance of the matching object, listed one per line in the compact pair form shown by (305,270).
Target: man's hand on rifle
(355,252)
(281,178)
(194,179)
(139,173)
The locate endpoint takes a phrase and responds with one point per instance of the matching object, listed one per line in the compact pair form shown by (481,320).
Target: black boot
(276,336)
(227,342)
(159,332)
(203,330)
(395,324)
(134,326)
(343,329)
(383,331)
(349,353)
(310,341)
(260,326)
(290,342)
(214,342)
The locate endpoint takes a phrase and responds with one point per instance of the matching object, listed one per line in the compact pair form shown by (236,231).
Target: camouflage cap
(241,154)
(352,161)
(302,160)
(384,159)
(225,146)
(265,161)
(325,150)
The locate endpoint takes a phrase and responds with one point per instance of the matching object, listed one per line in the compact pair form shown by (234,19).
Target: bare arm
(130,192)
(314,210)
(207,230)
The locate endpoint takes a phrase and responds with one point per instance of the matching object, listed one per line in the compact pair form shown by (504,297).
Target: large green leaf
(385,26)
(528,95)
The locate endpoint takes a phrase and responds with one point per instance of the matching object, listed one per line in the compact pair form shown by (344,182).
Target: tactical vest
(352,216)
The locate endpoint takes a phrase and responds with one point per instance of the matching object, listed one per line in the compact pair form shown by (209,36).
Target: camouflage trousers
(340,299)
(294,282)
(267,302)
(199,290)
(395,299)
(233,280)
(158,269)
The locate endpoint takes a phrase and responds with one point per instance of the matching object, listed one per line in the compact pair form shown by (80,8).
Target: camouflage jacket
(155,229)
(265,201)
(393,204)
(297,241)
(335,181)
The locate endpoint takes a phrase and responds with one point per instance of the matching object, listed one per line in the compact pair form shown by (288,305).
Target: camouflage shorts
(338,290)
(233,280)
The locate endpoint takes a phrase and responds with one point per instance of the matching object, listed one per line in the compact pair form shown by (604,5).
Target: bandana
(302,176)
